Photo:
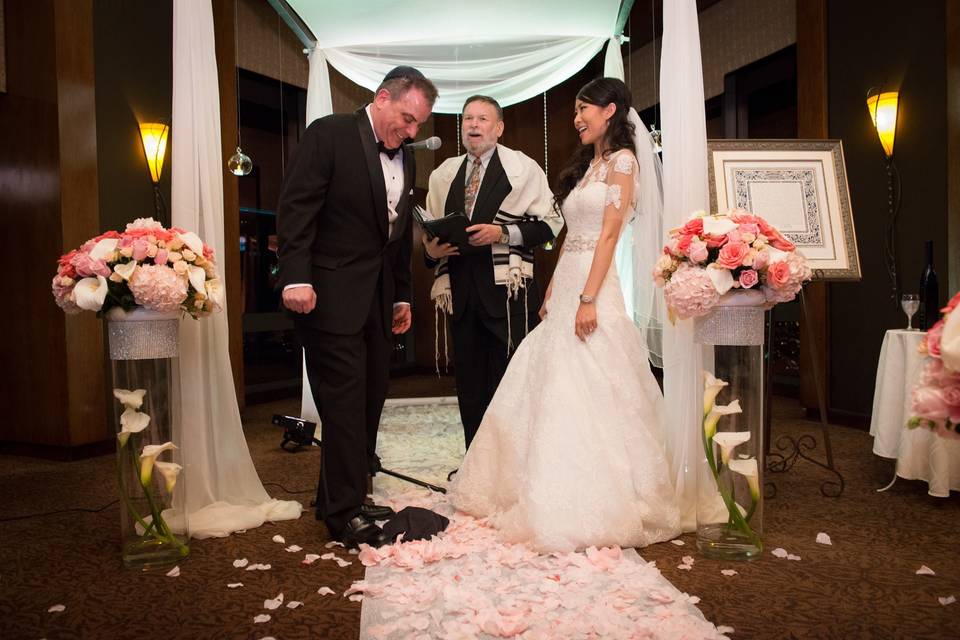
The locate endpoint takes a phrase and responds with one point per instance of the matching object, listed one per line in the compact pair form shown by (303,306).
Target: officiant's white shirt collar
(484,158)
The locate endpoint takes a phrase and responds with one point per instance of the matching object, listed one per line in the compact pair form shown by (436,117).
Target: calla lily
(192,241)
(721,278)
(197,277)
(169,471)
(125,270)
(215,292)
(148,457)
(718,225)
(712,387)
(728,441)
(710,422)
(131,421)
(104,248)
(90,293)
(748,469)
(130,399)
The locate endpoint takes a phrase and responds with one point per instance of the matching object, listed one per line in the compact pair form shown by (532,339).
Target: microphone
(431,144)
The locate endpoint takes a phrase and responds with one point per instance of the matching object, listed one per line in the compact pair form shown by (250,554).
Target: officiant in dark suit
(488,286)
(344,232)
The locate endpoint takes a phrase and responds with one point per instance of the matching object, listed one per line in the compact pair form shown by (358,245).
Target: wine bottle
(929,292)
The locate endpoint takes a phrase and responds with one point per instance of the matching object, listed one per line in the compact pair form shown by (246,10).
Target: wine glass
(910,302)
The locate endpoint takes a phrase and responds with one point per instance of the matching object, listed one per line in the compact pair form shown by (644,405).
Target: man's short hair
(399,80)
(488,100)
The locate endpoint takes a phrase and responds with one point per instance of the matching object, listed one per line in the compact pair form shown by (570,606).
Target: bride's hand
(586,321)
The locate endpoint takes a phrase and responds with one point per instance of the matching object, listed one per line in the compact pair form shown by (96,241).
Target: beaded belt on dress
(579,242)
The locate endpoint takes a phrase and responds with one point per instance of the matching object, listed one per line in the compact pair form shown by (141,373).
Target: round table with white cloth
(920,454)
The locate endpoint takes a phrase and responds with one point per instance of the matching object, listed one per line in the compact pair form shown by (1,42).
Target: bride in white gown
(570,452)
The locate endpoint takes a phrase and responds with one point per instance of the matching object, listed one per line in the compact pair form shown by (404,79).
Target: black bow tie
(391,153)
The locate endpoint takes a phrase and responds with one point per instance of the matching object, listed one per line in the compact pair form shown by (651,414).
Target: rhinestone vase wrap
(736,320)
(143,334)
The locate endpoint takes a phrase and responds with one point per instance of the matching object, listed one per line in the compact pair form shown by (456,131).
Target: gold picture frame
(798,186)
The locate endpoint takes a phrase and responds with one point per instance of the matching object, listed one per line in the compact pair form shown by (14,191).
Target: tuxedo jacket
(474,267)
(332,227)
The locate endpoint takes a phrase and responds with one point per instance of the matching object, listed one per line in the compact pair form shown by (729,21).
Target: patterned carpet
(864,585)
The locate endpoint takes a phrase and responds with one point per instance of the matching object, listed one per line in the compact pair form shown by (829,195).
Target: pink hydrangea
(158,288)
(690,292)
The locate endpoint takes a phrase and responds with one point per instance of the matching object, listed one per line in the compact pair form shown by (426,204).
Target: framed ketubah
(798,186)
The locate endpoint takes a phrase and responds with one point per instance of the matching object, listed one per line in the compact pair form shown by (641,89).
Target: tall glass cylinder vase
(143,347)
(730,522)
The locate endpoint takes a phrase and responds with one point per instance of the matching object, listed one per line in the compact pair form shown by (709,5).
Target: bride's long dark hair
(619,135)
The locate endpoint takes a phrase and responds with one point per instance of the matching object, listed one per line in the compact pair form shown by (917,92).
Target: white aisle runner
(468,584)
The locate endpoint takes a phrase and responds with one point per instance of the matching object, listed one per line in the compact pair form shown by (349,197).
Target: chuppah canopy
(510,50)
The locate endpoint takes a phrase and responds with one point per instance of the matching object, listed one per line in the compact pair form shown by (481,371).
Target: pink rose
(734,236)
(953,304)
(698,251)
(778,274)
(86,266)
(140,249)
(750,227)
(693,227)
(715,241)
(683,244)
(928,402)
(732,254)
(761,260)
(951,395)
(748,278)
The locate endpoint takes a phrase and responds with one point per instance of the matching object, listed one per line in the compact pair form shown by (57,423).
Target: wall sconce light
(153,135)
(883,107)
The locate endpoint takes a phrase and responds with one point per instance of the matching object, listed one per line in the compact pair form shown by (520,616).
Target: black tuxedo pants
(348,375)
(480,358)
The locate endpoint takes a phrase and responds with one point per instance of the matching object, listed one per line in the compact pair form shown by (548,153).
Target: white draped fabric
(685,190)
(223,493)
(507,49)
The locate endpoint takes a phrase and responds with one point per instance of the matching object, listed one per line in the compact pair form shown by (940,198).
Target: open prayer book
(452,228)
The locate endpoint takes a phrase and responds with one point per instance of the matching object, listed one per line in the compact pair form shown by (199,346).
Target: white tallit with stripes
(530,199)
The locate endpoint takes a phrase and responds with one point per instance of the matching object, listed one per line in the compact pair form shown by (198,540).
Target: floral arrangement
(725,465)
(935,399)
(145,266)
(152,530)
(713,254)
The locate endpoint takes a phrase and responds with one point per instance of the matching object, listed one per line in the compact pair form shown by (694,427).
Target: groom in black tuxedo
(344,232)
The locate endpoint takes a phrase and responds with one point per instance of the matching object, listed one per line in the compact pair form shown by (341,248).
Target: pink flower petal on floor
(728,572)
(924,570)
(234,585)
(279,539)
(685,567)
(328,556)
(947,600)
(353,552)
(679,543)
(310,558)
(174,573)
(293,548)
(342,563)
(722,628)
(242,562)
(326,591)
(779,552)
(263,617)
(332,544)
(357,597)
(823,538)
(57,608)
(274,603)
(293,604)
(687,560)
(791,556)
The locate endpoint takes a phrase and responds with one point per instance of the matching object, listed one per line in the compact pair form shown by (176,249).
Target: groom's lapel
(374,168)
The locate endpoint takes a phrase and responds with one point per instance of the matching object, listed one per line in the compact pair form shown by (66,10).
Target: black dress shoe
(376,512)
(362,531)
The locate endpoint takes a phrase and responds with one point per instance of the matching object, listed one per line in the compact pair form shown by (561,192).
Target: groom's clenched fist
(300,299)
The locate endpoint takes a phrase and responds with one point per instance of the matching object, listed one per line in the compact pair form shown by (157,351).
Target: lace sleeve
(620,185)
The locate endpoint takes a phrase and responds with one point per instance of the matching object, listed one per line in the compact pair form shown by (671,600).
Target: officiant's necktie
(473,186)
